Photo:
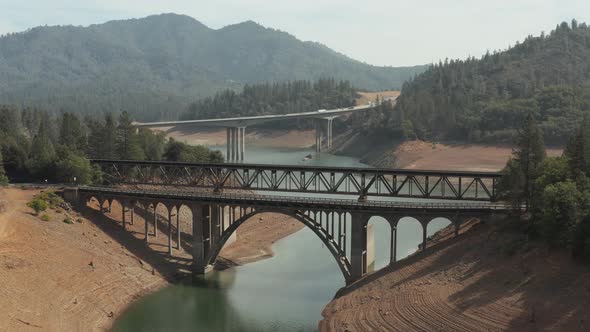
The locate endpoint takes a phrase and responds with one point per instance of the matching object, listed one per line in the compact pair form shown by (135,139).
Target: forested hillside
(277,98)
(36,146)
(155,66)
(487,99)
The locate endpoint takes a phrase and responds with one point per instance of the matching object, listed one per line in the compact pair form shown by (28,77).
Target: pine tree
(71,133)
(3,178)
(578,148)
(42,153)
(128,147)
(109,138)
(529,154)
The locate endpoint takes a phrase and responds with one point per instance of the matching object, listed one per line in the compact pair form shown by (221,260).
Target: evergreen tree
(128,147)
(71,133)
(529,155)
(108,143)
(42,155)
(3,178)
(517,183)
(578,148)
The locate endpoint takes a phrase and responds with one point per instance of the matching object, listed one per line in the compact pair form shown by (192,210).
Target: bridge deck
(347,205)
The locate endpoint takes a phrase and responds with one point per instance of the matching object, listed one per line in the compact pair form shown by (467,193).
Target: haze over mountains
(155,66)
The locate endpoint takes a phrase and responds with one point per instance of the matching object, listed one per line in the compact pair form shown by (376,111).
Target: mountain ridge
(155,66)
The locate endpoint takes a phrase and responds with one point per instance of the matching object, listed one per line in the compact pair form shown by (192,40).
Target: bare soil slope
(468,284)
(80,277)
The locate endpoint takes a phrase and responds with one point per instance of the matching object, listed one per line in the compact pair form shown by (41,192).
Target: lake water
(283,293)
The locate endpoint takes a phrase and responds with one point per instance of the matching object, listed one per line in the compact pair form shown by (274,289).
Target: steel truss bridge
(361,182)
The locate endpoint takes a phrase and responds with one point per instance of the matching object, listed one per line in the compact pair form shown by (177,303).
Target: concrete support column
(330,133)
(238,143)
(393,245)
(318,136)
(358,249)
(123,222)
(232,144)
(178,228)
(170,230)
(243,147)
(228,141)
(155,221)
(424,235)
(200,239)
(215,222)
(147,226)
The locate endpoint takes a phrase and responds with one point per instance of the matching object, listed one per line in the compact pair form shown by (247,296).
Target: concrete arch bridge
(341,224)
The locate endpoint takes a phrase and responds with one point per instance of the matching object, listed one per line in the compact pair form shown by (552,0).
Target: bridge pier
(236,144)
(319,134)
(123,208)
(178,228)
(170,230)
(358,246)
(201,240)
(393,244)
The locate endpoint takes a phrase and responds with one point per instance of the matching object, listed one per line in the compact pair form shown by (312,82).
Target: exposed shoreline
(123,271)
(83,276)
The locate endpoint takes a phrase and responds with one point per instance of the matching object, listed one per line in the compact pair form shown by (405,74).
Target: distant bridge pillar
(318,136)
(329,143)
(319,133)
(243,145)
(228,143)
(236,143)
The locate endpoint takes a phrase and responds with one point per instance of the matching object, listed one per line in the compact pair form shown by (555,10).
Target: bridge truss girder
(363,182)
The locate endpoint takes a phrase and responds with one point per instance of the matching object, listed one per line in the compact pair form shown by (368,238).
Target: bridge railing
(286,200)
(360,182)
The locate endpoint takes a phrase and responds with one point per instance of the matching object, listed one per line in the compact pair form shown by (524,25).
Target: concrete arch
(305,219)
(380,231)
(436,224)
(414,238)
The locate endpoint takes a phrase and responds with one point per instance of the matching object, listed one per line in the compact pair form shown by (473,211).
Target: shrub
(38,205)
(45,217)
(68,220)
(51,198)
(59,210)
(79,220)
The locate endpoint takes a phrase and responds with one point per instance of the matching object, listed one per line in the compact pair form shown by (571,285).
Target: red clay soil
(79,277)
(473,157)
(469,283)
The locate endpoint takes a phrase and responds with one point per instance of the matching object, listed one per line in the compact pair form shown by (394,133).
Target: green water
(285,293)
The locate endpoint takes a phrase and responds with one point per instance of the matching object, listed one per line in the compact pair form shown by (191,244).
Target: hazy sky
(381,32)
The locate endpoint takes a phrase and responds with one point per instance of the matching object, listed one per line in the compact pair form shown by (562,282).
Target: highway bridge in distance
(236,127)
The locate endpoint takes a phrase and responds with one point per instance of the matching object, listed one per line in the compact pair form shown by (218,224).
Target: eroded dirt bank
(481,281)
(427,155)
(81,276)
